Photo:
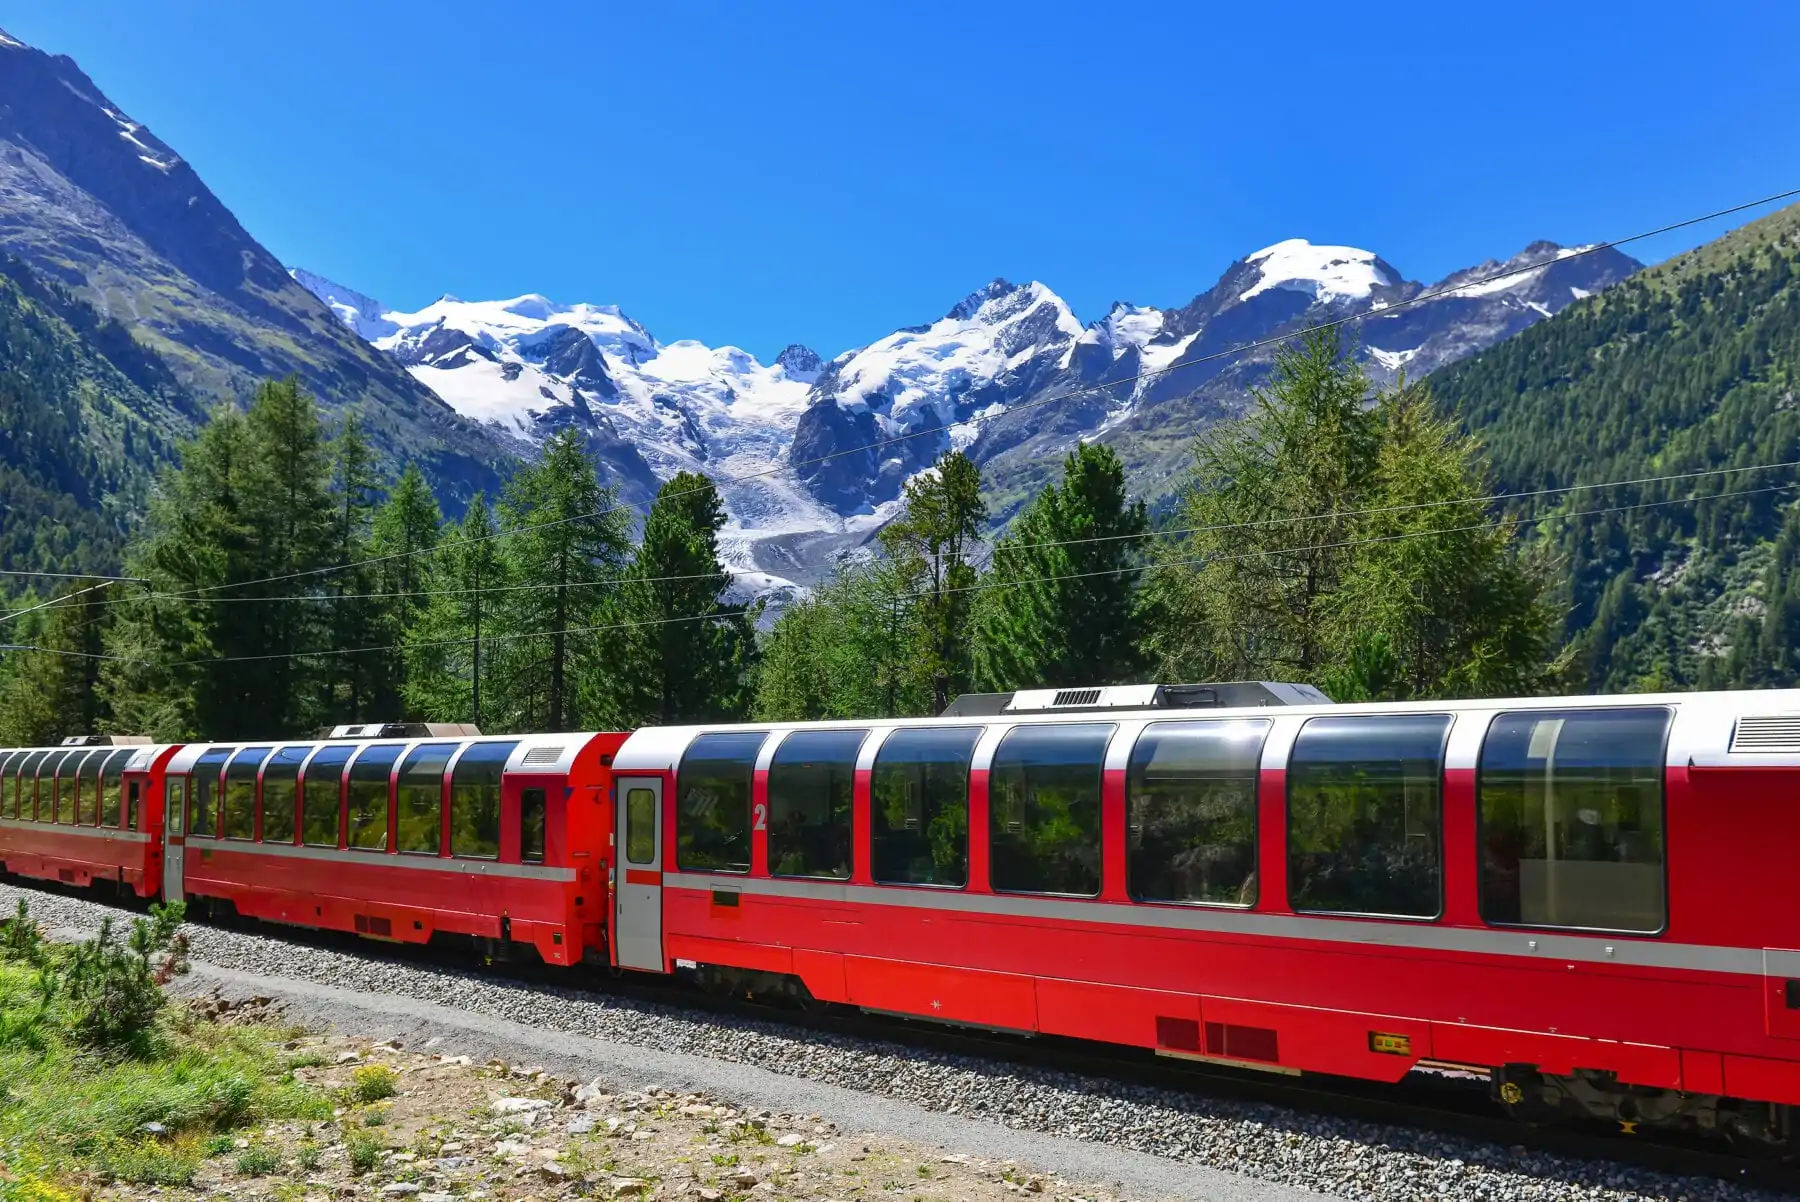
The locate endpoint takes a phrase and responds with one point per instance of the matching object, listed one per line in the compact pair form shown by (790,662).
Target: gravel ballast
(1154,1142)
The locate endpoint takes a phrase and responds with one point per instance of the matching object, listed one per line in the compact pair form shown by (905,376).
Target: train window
(203,793)
(475,800)
(712,802)
(1365,799)
(1190,812)
(1571,813)
(919,811)
(46,786)
(9,783)
(640,826)
(810,784)
(133,807)
(369,800)
(532,819)
(66,786)
(1044,809)
(174,802)
(239,800)
(279,795)
(321,796)
(87,797)
(421,798)
(25,794)
(112,776)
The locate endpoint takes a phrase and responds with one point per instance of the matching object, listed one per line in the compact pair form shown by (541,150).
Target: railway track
(1460,1108)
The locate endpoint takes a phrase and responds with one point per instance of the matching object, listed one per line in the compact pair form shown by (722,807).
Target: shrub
(23,938)
(372,1083)
(308,1155)
(365,1152)
(259,1161)
(116,989)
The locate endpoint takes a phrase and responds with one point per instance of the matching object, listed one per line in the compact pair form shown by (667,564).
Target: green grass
(73,1113)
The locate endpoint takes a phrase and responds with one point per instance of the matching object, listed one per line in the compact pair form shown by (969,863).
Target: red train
(1579,897)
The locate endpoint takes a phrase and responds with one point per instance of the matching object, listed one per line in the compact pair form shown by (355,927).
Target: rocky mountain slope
(812,454)
(93,200)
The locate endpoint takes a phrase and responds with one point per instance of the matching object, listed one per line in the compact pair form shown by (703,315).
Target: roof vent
(1235,694)
(105,741)
(401,730)
(543,755)
(1767,733)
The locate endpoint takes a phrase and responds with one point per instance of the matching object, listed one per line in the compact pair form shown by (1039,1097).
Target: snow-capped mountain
(811,454)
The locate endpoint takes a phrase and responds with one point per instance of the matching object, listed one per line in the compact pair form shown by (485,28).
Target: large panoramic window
(1365,815)
(1044,809)
(811,779)
(1190,812)
(712,802)
(1571,805)
(919,807)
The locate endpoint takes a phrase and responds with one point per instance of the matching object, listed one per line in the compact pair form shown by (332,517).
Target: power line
(1260,523)
(72,576)
(31,609)
(1128,569)
(977,419)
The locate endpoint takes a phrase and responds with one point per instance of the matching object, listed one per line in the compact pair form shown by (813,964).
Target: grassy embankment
(101,1079)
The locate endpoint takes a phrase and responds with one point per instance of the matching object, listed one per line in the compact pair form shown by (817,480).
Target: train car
(400,832)
(81,813)
(1580,897)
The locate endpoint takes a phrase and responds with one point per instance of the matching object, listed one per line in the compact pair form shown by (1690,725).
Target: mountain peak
(971,304)
(1330,273)
(799,360)
(9,41)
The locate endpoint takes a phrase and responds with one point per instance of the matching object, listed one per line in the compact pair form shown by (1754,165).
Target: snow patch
(1392,360)
(1329,273)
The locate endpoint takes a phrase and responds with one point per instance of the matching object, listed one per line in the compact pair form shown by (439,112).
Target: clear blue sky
(760,172)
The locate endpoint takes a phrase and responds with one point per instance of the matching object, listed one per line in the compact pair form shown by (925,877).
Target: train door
(637,891)
(174,838)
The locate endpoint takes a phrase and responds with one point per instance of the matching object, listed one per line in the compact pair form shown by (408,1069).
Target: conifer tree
(48,694)
(208,652)
(572,543)
(675,650)
(1059,606)
(851,650)
(943,516)
(404,532)
(448,668)
(356,681)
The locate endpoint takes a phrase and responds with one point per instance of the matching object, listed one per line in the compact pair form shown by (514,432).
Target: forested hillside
(1687,368)
(87,415)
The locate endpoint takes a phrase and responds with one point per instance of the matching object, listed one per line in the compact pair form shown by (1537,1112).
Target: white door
(637,919)
(174,838)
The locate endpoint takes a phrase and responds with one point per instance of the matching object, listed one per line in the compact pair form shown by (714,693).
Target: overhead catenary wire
(1108,386)
(1167,532)
(983,586)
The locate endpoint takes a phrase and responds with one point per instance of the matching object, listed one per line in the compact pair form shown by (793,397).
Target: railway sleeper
(1761,1128)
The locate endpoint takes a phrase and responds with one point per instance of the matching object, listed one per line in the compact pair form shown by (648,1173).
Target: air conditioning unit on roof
(1100,699)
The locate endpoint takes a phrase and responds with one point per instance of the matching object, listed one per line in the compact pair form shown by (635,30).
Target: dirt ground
(412,1124)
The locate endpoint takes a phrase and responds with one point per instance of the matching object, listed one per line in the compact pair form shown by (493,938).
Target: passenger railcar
(1585,897)
(401,834)
(81,813)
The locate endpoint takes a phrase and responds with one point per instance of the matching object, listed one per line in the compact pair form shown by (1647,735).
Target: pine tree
(572,544)
(944,514)
(448,668)
(357,681)
(676,651)
(208,653)
(1059,606)
(48,694)
(404,533)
